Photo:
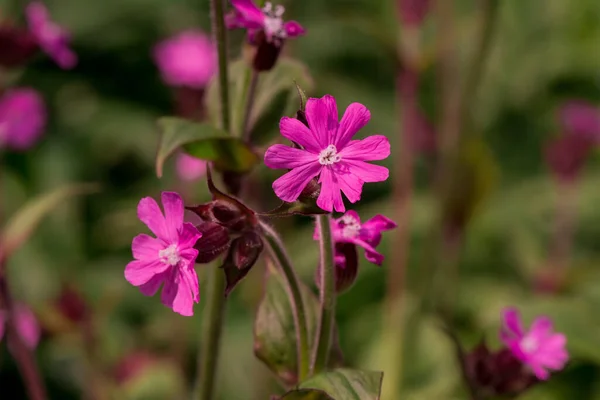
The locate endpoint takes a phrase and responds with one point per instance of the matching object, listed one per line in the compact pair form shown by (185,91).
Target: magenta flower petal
(169,258)
(376,147)
(540,347)
(355,118)
(330,197)
(351,185)
(22,118)
(139,272)
(187,59)
(579,117)
(293,29)
(190,168)
(322,116)
(252,15)
(52,38)
(289,186)
(379,223)
(284,157)
(367,172)
(26,325)
(145,247)
(296,131)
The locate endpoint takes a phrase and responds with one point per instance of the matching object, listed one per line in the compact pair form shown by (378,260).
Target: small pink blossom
(540,348)
(328,152)
(190,168)
(581,118)
(169,258)
(269,19)
(349,229)
(187,59)
(51,37)
(22,118)
(413,12)
(566,156)
(25,323)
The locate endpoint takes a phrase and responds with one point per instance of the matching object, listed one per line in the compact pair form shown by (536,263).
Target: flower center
(170,255)
(329,156)
(529,344)
(274,21)
(351,226)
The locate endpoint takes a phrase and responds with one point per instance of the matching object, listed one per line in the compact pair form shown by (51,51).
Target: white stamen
(351,226)
(329,156)
(268,7)
(279,10)
(170,255)
(274,22)
(529,344)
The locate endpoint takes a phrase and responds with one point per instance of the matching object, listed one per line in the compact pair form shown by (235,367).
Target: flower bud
(266,52)
(71,304)
(346,267)
(16,46)
(214,242)
(242,256)
(497,374)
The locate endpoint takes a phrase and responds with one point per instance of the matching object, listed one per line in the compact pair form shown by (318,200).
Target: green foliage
(348,384)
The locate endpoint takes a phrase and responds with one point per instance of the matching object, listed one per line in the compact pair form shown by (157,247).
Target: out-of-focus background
(102,129)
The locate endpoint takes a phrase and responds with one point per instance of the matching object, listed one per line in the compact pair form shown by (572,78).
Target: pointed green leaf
(21,226)
(306,394)
(274,330)
(276,96)
(347,384)
(203,141)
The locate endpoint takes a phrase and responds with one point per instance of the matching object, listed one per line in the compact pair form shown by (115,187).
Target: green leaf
(274,330)
(203,141)
(22,225)
(347,384)
(306,394)
(276,96)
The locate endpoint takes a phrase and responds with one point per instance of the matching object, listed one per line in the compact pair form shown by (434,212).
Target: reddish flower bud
(16,46)
(346,267)
(72,305)
(242,256)
(567,155)
(214,242)
(413,12)
(266,52)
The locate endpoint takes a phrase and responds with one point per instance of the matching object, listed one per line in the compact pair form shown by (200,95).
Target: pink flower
(190,168)
(566,156)
(413,12)
(187,59)
(581,118)
(539,348)
(51,37)
(349,229)
(22,118)
(25,323)
(169,258)
(270,19)
(328,152)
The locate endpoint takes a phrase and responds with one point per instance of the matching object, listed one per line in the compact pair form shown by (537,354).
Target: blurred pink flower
(329,152)
(22,118)
(190,168)
(349,229)
(540,348)
(26,325)
(566,156)
(579,117)
(413,12)
(187,59)
(51,37)
(270,19)
(169,258)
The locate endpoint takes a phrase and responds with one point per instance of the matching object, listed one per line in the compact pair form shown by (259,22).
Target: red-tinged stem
(23,356)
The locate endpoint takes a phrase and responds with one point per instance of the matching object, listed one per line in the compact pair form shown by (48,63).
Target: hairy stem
(211,335)
(246,132)
(326,297)
(23,356)
(277,251)
(215,307)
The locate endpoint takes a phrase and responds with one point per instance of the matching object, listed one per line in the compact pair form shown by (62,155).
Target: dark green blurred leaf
(203,141)
(346,384)
(276,96)
(295,208)
(20,227)
(306,394)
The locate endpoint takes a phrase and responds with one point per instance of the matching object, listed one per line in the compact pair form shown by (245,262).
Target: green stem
(215,307)
(327,297)
(213,323)
(220,37)
(246,131)
(277,251)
